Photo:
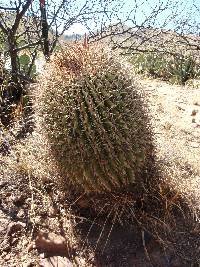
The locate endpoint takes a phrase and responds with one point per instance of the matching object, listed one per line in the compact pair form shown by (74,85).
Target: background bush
(25,61)
(174,68)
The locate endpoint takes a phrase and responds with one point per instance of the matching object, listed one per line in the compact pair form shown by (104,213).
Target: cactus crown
(95,119)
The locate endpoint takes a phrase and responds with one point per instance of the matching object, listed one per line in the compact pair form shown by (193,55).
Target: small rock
(56,261)
(52,243)
(167,125)
(52,212)
(21,213)
(194,125)
(194,144)
(42,256)
(194,112)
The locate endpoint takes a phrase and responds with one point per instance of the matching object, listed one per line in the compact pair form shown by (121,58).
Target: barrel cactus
(95,120)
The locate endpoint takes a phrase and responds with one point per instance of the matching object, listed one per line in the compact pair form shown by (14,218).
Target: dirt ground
(176,119)
(38,227)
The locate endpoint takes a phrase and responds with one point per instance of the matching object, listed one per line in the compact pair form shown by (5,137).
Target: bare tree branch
(20,15)
(30,45)
(3,28)
(8,8)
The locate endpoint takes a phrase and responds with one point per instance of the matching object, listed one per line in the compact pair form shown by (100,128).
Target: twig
(145,250)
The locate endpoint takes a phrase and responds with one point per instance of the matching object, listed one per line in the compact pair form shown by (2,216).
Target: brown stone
(56,261)
(21,213)
(52,243)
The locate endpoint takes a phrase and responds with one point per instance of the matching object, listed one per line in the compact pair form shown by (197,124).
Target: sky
(184,10)
(174,11)
(77,28)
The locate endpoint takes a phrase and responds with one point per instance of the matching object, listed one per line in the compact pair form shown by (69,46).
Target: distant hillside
(72,37)
(148,39)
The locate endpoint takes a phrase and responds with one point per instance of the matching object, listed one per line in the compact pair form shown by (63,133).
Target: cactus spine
(95,119)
